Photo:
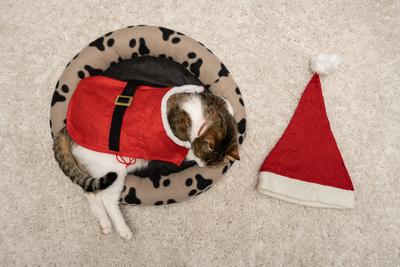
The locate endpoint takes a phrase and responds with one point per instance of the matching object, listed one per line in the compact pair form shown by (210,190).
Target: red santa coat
(143,132)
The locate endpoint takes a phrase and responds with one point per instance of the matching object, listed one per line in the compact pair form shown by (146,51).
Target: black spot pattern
(171,201)
(131,198)
(240,140)
(192,55)
(92,71)
(189,182)
(75,56)
(156,180)
(156,168)
(66,66)
(241,101)
(134,54)
(192,192)
(223,71)
(57,84)
(65,88)
(108,34)
(123,189)
(179,33)
(166,182)
(242,126)
(143,50)
(162,55)
(51,124)
(110,42)
(81,74)
(57,97)
(132,43)
(65,121)
(202,182)
(166,33)
(225,169)
(195,67)
(98,43)
(185,64)
(237,90)
(176,40)
(158,203)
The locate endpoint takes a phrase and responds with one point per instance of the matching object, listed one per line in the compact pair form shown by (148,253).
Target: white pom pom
(325,63)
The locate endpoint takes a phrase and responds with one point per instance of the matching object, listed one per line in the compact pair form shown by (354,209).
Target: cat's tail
(68,164)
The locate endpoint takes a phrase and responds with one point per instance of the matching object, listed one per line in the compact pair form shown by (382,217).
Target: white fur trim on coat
(164,115)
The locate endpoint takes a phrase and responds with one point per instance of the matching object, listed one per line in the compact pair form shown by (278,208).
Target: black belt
(122,102)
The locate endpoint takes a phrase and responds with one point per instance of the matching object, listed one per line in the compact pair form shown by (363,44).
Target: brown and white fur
(202,119)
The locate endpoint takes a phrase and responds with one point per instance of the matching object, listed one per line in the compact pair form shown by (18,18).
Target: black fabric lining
(161,72)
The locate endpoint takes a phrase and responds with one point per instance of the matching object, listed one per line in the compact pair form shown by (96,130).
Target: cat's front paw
(125,233)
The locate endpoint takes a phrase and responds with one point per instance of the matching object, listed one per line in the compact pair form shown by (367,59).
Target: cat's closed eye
(206,147)
(208,143)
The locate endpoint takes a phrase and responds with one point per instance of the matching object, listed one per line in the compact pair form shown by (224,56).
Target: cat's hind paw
(106,228)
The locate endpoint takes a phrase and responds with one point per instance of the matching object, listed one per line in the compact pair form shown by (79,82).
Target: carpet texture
(44,219)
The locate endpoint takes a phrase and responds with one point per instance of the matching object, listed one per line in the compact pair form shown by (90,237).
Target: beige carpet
(266,45)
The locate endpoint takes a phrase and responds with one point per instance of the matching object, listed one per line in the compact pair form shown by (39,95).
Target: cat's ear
(209,143)
(234,153)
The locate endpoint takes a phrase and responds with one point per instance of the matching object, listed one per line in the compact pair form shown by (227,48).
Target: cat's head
(217,144)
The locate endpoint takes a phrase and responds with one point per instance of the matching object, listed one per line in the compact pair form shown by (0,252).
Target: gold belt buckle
(123,100)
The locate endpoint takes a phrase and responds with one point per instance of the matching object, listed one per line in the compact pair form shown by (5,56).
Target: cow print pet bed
(164,56)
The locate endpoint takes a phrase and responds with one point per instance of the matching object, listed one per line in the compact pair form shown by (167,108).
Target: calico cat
(203,119)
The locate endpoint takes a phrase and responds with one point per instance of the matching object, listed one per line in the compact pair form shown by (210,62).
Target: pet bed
(162,56)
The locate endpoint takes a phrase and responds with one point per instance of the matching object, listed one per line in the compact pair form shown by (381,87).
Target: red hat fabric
(305,166)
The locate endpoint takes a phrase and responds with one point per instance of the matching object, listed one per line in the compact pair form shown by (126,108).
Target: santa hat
(305,167)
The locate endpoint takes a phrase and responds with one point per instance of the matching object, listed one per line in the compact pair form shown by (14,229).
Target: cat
(203,119)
